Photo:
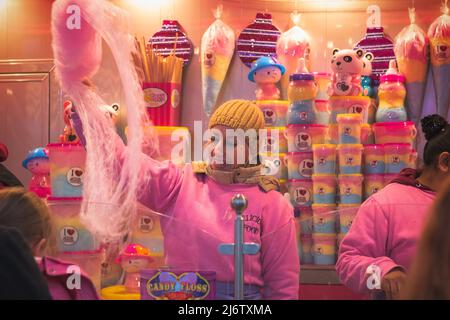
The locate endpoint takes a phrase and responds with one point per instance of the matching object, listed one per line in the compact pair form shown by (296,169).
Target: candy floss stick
(439,34)
(217,51)
(291,46)
(111,181)
(411,51)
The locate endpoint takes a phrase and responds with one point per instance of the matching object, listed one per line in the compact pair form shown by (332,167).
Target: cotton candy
(217,48)
(291,46)
(411,51)
(439,34)
(111,182)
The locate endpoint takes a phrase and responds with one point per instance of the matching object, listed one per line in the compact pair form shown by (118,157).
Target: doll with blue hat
(266,72)
(37,162)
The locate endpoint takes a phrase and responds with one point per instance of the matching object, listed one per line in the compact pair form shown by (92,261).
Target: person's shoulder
(395,193)
(274,199)
(55,267)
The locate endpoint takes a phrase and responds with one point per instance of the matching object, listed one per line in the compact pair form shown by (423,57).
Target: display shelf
(318,274)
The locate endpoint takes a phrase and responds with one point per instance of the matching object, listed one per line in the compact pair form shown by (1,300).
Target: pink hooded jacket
(203,219)
(57,274)
(384,233)
(199,218)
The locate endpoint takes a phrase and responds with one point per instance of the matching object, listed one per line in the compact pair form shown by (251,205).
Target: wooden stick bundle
(158,69)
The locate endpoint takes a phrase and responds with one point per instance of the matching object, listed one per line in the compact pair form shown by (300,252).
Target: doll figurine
(134,259)
(69,135)
(37,163)
(266,72)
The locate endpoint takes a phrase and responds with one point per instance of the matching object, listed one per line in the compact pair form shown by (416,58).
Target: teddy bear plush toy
(347,66)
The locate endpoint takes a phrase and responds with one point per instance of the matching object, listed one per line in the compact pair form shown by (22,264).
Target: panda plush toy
(347,66)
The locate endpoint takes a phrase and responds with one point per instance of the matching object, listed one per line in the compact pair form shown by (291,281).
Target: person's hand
(392,283)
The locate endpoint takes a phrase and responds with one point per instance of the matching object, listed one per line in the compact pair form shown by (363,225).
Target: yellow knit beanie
(238,114)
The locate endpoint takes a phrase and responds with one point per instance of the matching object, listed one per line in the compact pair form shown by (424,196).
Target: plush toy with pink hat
(266,72)
(37,162)
(133,259)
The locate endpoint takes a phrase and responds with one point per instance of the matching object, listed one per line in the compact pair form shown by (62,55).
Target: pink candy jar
(391,94)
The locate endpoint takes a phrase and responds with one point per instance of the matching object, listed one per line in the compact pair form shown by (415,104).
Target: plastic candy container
(350,158)
(300,165)
(372,184)
(322,112)
(398,156)
(169,138)
(367,134)
(324,218)
(301,137)
(67,163)
(306,220)
(274,112)
(177,285)
(324,188)
(340,237)
(306,242)
(324,248)
(349,104)
(38,164)
(275,141)
(374,159)
(301,192)
(350,188)
(346,215)
(391,94)
(274,165)
(324,158)
(301,93)
(323,81)
(349,128)
(147,231)
(395,132)
(71,234)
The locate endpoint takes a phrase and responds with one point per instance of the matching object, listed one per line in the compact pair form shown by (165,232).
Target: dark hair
(27,213)
(430,272)
(437,133)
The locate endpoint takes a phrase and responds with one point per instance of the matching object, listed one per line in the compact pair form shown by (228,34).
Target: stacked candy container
(324,207)
(323,81)
(300,162)
(391,94)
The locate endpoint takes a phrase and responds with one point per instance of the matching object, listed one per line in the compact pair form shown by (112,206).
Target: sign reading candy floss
(177,285)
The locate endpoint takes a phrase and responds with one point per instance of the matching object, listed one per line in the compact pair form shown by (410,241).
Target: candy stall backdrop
(297,59)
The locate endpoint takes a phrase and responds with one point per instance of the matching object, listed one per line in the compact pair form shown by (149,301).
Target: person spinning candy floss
(201,192)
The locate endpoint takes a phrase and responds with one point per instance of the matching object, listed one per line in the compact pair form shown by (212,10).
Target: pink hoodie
(58,273)
(384,233)
(203,219)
